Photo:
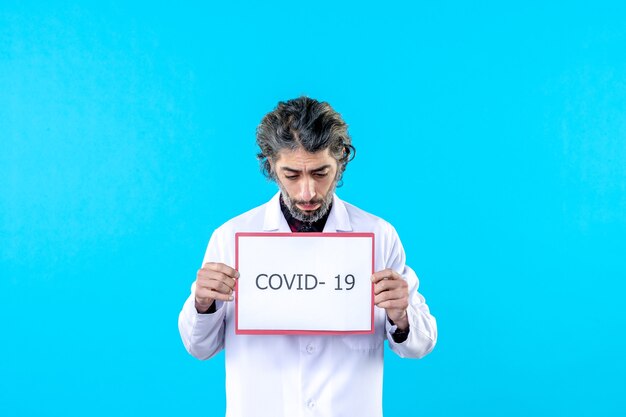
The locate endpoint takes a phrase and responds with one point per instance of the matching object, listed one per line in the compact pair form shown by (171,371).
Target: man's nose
(307,193)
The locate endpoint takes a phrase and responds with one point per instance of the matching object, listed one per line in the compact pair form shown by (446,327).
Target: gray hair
(303,123)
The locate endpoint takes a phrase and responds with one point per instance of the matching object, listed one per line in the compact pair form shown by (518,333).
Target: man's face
(307,181)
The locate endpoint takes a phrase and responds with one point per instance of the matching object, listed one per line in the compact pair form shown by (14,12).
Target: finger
(389,284)
(220,267)
(216,276)
(215,285)
(397,294)
(380,287)
(385,274)
(393,304)
(219,296)
(205,278)
(209,292)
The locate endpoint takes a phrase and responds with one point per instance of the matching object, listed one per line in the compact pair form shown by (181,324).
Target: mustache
(314,201)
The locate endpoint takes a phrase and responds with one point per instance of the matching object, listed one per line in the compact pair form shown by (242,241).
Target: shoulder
(362,220)
(387,242)
(251,220)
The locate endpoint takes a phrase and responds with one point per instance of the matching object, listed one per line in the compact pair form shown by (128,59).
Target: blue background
(492,136)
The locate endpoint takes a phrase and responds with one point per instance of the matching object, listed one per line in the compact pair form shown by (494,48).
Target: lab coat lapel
(338,219)
(274,220)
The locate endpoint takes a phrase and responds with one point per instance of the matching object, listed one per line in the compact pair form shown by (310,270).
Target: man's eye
(291,177)
(321,174)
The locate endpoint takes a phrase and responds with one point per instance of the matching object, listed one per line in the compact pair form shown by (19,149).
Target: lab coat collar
(338,219)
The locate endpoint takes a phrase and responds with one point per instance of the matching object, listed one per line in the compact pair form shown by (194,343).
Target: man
(305,147)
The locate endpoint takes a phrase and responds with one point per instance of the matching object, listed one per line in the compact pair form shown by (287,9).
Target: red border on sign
(299,332)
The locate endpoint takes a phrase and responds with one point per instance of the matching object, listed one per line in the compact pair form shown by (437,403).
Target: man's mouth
(308,206)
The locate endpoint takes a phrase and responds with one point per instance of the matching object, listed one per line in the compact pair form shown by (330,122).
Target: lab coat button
(310,348)
(311,404)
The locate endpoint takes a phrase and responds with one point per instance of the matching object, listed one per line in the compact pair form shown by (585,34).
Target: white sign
(304,283)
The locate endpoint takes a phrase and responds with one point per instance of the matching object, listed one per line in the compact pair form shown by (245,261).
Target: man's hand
(391,292)
(214,281)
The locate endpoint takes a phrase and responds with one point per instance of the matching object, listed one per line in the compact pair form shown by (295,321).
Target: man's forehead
(301,157)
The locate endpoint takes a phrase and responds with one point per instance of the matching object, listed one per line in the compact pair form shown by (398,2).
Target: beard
(306,216)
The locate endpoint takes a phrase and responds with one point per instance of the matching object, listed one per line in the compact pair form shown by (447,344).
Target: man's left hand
(391,292)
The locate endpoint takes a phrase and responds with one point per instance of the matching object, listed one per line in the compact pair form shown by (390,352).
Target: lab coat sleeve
(203,334)
(422,325)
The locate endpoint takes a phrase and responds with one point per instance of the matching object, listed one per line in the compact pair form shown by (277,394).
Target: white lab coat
(298,376)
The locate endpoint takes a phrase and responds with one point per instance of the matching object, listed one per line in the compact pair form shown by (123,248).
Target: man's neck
(303,226)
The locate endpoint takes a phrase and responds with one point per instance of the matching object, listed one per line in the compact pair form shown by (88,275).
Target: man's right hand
(214,281)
